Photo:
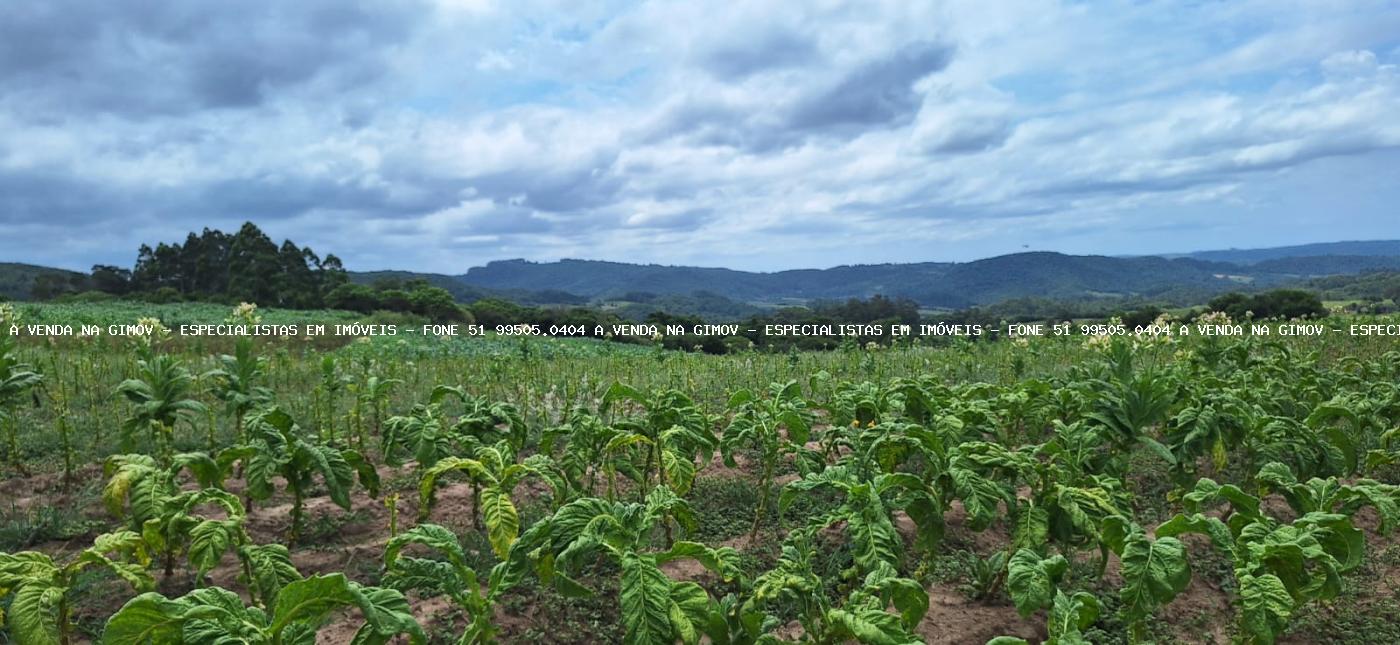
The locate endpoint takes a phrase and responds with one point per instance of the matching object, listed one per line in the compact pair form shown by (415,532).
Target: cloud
(879,92)
(443,133)
(743,57)
(128,60)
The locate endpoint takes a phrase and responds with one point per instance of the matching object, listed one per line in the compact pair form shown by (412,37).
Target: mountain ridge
(951,285)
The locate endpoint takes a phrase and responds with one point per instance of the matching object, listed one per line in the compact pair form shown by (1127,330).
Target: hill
(1251,256)
(635,290)
(932,284)
(19,281)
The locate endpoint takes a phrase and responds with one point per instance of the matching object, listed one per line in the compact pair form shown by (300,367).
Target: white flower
(8,316)
(246,313)
(155,329)
(1214,318)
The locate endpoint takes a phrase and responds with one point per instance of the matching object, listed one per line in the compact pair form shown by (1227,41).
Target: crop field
(168,489)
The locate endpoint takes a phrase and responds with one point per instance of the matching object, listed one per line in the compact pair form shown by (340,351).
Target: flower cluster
(1214,318)
(1158,333)
(8,316)
(246,313)
(159,332)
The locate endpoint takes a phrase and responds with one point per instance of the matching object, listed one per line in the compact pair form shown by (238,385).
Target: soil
(352,542)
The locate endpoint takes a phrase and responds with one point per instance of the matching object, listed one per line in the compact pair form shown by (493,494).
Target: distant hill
(464,292)
(953,285)
(635,290)
(604,280)
(1323,265)
(17,280)
(932,284)
(1251,256)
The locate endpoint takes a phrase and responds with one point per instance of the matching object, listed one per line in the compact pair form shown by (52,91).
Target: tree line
(246,266)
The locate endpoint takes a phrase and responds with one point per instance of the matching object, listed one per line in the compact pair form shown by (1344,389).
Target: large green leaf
(979,496)
(1069,616)
(34,614)
(1154,572)
(310,600)
(1030,579)
(427,485)
(268,568)
(210,540)
(148,619)
(1265,606)
(1220,535)
(690,611)
(645,596)
(502,520)
(871,626)
(387,614)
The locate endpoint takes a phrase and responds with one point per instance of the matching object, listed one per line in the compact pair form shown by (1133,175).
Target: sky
(437,135)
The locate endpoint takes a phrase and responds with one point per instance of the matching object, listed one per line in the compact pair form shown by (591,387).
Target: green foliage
(451,577)
(1278,566)
(655,609)
(160,397)
(494,473)
(16,379)
(278,447)
(301,609)
(774,427)
(40,607)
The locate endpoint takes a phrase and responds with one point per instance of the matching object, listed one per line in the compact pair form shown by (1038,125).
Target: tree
(353,297)
(110,279)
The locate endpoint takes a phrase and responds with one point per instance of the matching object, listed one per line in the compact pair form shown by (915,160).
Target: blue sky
(437,135)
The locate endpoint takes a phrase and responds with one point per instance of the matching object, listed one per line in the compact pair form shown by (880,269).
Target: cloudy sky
(438,135)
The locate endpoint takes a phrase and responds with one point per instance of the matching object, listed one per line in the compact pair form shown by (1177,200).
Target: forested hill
(596,279)
(21,281)
(932,284)
(1369,248)
(247,265)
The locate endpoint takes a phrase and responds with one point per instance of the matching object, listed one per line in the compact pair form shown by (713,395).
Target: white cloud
(707,132)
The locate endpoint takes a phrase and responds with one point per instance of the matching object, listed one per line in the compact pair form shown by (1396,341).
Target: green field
(1065,489)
